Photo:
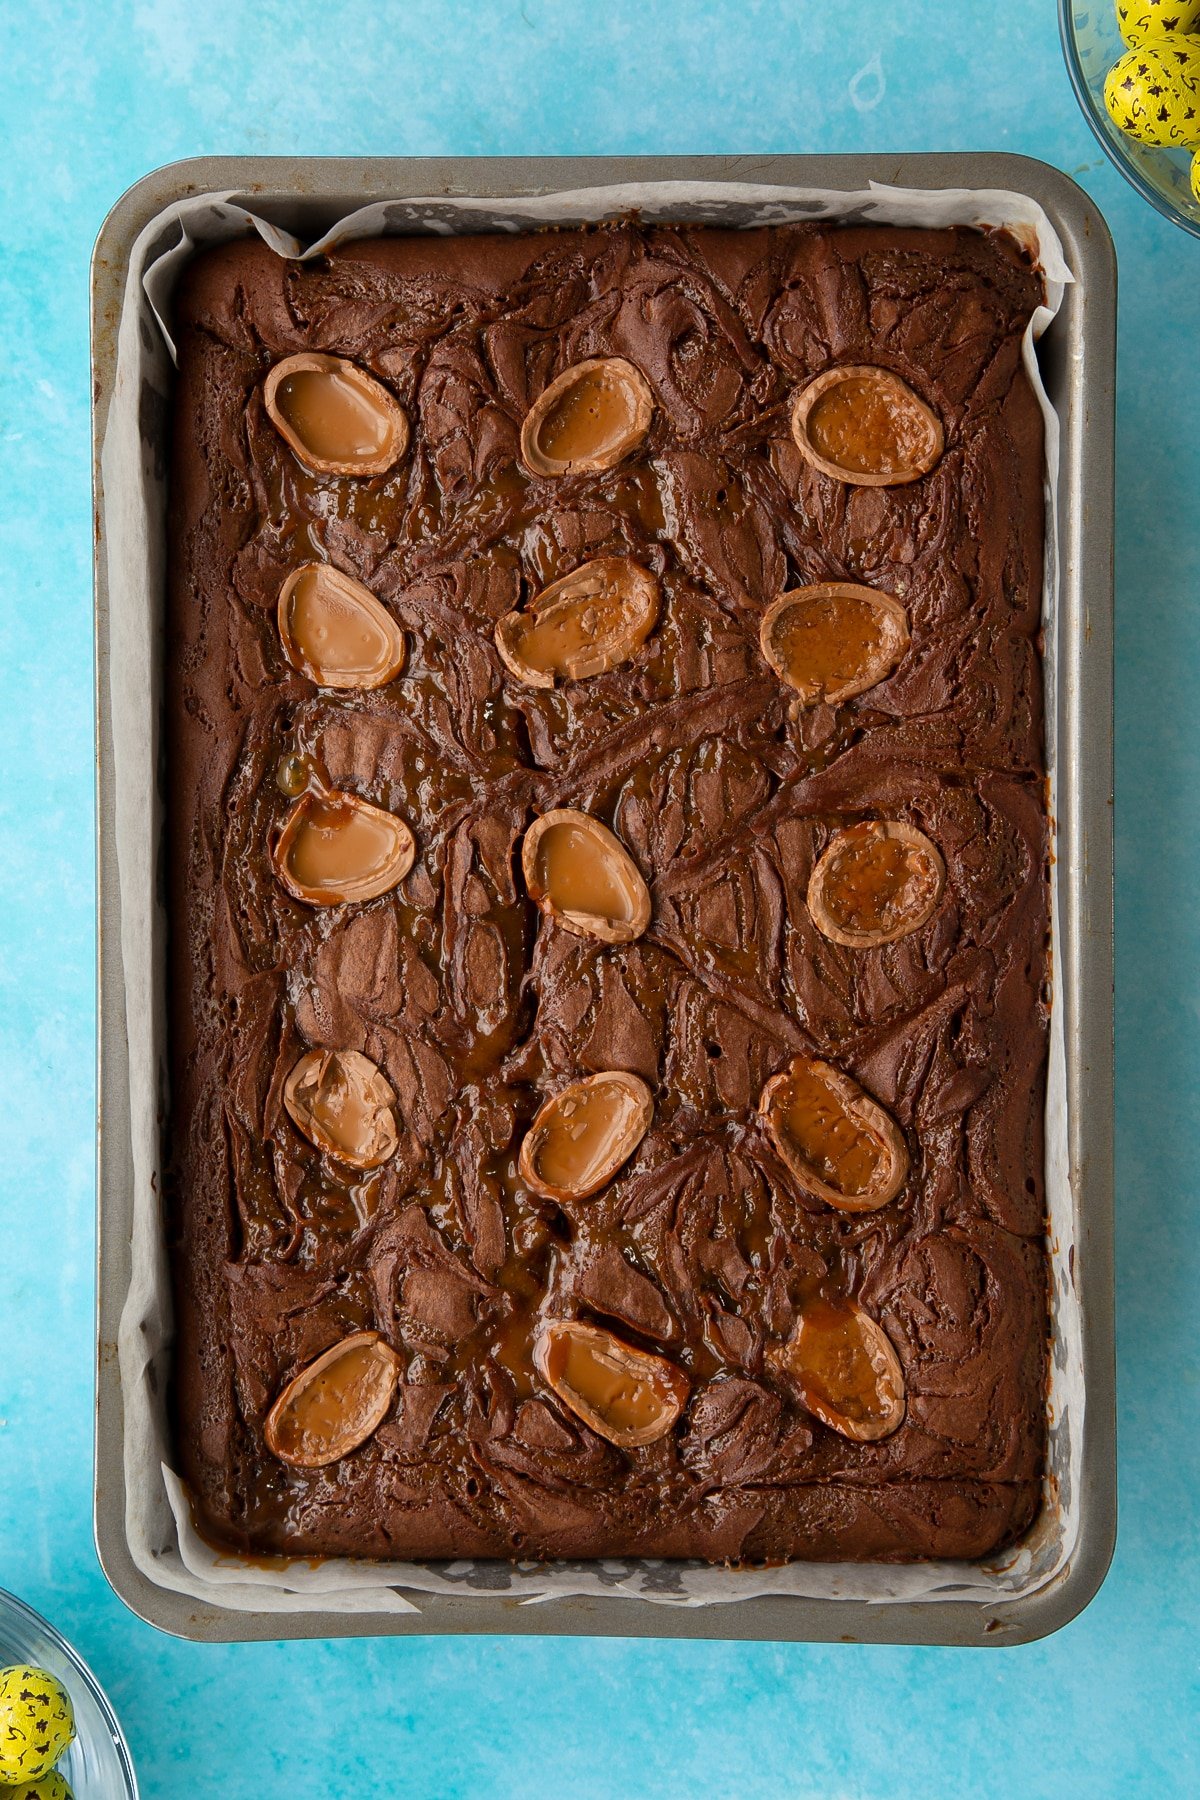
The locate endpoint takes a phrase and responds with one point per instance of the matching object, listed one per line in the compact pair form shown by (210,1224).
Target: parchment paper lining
(162,1540)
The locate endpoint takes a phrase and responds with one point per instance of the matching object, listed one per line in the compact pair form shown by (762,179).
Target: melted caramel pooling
(337,844)
(623,1399)
(337,1406)
(333,418)
(578,875)
(291,775)
(336,635)
(834,1146)
(583,1134)
(836,1367)
(831,640)
(874,882)
(861,425)
(592,415)
(345,1111)
(552,642)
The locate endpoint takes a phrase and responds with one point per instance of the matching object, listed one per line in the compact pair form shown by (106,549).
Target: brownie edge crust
(704,1248)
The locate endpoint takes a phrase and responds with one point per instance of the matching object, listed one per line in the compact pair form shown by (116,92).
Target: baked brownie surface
(478,1008)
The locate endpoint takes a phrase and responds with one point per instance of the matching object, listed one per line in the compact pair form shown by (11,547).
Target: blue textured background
(92,96)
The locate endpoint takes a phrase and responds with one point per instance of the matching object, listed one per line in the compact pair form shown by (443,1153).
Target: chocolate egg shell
(833,640)
(344,1104)
(1153,93)
(47,1787)
(589,418)
(584,624)
(1143,21)
(864,426)
(37,1722)
(838,1143)
(337,848)
(626,1395)
(582,876)
(898,874)
(335,1404)
(335,631)
(581,1136)
(334,416)
(841,1364)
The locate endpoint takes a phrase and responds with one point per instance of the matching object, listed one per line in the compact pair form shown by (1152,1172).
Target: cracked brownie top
(607,881)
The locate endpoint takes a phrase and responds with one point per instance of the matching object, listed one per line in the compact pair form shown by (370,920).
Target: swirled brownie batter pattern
(607,870)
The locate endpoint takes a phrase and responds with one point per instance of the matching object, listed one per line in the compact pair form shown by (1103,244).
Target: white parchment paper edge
(162,1540)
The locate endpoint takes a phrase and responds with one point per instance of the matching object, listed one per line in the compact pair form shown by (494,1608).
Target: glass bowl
(1091,44)
(97,1765)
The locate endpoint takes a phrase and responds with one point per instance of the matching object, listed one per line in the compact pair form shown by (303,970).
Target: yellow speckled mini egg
(36,1723)
(50,1787)
(1196,176)
(1144,21)
(1153,94)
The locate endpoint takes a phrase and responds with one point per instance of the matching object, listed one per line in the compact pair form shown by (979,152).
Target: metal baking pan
(1077,357)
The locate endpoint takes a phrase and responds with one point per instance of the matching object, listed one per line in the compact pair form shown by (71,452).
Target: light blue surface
(91,96)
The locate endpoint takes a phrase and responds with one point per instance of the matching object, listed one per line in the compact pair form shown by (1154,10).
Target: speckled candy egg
(1196,176)
(1153,94)
(1144,21)
(51,1787)
(36,1723)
